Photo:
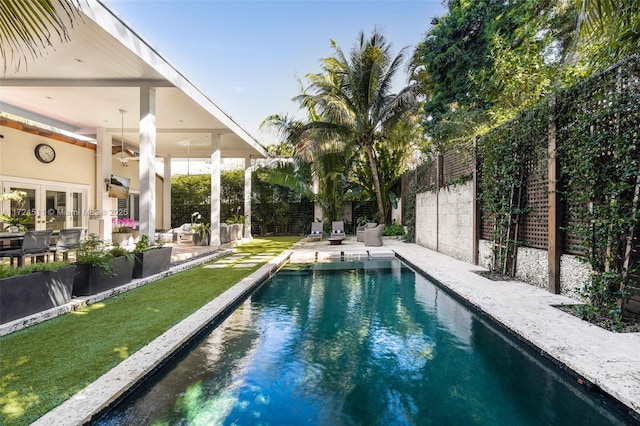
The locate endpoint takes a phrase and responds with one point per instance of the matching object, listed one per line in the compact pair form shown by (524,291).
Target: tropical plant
(354,102)
(608,30)
(144,243)
(202,229)
(26,27)
(95,252)
(236,217)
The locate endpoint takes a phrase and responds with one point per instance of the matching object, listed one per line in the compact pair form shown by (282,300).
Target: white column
(215,190)
(147,161)
(100,222)
(166,194)
(247,197)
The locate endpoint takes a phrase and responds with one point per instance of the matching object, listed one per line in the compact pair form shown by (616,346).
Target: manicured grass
(42,366)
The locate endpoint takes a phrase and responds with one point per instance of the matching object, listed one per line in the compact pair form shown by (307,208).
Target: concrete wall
(444,221)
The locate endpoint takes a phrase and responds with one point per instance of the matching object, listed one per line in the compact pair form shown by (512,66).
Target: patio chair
(316,231)
(67,241)
(34,244)
(337,229)
(361,228)
(373,236)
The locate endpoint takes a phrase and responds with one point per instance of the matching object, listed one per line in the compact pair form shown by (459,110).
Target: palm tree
(610,27)
(26,27)
(354,102)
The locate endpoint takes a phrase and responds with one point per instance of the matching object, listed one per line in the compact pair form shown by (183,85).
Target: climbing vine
(507,156)
(599,125)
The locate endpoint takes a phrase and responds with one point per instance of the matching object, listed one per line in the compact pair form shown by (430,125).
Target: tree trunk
(376,181)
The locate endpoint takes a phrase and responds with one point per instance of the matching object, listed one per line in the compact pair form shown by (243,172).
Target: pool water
(357,343)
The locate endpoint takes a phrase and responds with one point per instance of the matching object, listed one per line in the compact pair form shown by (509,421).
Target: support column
(166,194)
(100,223)
(215,190)
(247,197)
(147,161)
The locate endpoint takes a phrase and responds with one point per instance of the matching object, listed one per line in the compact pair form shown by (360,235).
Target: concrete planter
(24,295)
(200,241)
(121,238)
(152,262)
(91,280)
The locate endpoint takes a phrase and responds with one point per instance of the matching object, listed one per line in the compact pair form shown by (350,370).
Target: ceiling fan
(121,157)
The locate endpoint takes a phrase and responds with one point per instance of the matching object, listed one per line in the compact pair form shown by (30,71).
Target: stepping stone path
(241,260)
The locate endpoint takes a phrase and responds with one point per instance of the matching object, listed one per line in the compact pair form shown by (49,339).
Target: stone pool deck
(607,360)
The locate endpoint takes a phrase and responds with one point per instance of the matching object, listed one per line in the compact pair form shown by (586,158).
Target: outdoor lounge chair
(373,236)
(337,230)
(34,244)
(361,228)
(316,231)
(185,233)
(67,241)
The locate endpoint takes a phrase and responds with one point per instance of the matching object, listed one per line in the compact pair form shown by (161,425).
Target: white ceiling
(80,85)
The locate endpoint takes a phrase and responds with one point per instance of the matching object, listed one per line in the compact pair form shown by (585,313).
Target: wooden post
(439,184)
(476,207)
(555,211)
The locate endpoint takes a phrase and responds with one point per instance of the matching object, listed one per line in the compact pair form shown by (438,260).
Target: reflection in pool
(351,343)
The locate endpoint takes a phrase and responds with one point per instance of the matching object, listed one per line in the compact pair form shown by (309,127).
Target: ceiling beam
(89,82)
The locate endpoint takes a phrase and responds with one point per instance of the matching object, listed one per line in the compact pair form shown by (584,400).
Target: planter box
(25,295)
(92,279)
(121,238)
(151,262)
(200,241)
(236,232)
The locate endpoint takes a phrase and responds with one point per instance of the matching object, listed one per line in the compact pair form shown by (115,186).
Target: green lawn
(42,366)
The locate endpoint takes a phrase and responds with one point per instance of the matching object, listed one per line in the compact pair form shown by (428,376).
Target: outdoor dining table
(11,240)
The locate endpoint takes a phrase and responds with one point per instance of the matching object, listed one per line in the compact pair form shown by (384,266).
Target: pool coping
(597,358)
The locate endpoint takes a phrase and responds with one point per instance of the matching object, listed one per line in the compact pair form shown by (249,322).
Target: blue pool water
(357,343)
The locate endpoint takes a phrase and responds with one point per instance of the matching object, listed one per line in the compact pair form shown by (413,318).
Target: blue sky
(247,55)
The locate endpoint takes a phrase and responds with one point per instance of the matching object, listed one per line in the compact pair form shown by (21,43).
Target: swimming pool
(348,343)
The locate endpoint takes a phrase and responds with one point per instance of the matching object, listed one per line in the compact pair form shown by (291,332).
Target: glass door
(25,207)
(54,215)
(48,206)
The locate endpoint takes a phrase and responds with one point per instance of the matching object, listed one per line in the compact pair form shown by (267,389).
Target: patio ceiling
(80,85)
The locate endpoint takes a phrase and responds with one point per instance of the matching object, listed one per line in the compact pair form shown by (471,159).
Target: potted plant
(122,230)
(150,258)
(18,217)
(34,288)
(202,233)
(236,223)
(100,267)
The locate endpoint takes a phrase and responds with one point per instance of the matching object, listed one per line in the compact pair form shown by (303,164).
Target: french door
(49,206)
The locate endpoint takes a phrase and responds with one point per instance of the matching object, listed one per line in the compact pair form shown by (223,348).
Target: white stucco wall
(426,220)
(450,231)
(73,164)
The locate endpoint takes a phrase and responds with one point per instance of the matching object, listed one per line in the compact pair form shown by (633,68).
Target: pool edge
(83,406)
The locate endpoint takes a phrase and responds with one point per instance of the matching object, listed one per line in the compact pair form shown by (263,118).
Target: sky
(248,55)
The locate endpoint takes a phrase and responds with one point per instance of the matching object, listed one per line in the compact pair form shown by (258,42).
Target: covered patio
(121,98)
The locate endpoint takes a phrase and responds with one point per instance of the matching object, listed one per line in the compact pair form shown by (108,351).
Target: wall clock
(45,153)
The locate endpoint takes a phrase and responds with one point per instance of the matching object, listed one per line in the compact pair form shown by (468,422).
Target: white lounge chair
(316,231)
(337,230)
